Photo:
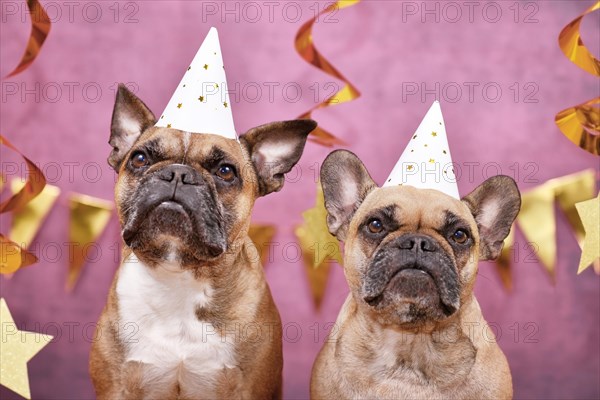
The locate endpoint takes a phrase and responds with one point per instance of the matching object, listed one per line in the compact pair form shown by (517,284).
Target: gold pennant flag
(28,219)
(538,222)
(318,279)
(13,257)
(318,247)
(89,217)
(262,236)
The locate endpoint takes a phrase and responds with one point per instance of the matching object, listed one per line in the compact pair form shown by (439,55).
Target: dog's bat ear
(274,149)
(346,182)
(495,205)
(129,119)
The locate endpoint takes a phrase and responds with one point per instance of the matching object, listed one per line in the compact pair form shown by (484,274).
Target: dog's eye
(375,226)
(460,236)
(139,159)
(226,172)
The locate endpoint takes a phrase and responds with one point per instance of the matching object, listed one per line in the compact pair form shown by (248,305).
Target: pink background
(382,48)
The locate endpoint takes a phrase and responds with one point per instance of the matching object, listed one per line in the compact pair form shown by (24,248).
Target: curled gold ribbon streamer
(307,50)
(538,223)
(580,123)
(34,185)
(40,27)
(12,256)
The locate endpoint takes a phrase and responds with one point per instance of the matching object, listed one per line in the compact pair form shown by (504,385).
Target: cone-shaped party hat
(426,162)
(200,103)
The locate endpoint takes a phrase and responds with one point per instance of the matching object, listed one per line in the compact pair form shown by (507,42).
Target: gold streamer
(318,247)
(262,236)
(33,186)
(89,217)
(581,123)
(40,27)
(307,50)
(12,256)
(537,220)
(27,220)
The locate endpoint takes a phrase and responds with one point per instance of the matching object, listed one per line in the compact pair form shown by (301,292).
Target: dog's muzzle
(177,199)
(415,256)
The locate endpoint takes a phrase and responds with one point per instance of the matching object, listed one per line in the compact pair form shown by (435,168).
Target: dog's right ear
(130,118)
(346,182)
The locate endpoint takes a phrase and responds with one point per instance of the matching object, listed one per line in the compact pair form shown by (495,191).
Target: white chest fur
(158,306)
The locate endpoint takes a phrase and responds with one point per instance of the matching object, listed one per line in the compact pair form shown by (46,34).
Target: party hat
(200,103)
(426,162)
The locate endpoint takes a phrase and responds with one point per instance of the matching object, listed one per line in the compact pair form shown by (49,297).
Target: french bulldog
(189,314)
(411,327)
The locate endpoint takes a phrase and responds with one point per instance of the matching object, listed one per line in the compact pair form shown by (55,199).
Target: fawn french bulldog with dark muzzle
(411,327)
(189,314)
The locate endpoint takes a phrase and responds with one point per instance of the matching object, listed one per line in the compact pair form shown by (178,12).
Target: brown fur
(241,306)
(381,353)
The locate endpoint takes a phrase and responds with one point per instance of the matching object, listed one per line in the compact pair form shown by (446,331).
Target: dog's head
(411,254)
(187,197)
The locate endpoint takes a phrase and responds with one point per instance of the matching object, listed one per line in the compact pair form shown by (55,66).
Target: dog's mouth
(423,281)
(162,219)
(422,284)
(167,216)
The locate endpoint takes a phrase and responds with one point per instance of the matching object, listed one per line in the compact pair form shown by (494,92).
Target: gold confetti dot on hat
(205,66)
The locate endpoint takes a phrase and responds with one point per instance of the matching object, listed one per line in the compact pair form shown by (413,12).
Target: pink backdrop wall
(387,49)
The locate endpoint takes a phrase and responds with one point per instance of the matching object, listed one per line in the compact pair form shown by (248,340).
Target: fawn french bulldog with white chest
(190,284)
(411,327)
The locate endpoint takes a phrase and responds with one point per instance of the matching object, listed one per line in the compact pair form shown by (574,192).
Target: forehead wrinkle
(186,145)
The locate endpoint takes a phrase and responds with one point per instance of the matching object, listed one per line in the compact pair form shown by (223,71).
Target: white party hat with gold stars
(426,162)
(200,103)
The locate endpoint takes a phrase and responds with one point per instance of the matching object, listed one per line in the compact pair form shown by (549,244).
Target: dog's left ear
(495,205)
(274,149)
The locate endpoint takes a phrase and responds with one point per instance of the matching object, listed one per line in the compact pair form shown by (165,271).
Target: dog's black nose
(180,173)
(419,243)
